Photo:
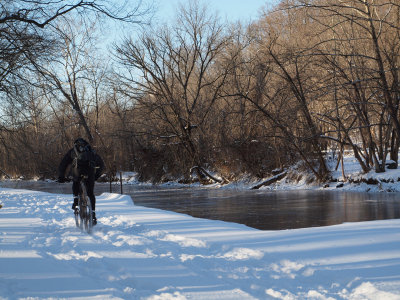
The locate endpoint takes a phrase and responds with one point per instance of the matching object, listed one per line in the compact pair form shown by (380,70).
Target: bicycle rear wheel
(85,210)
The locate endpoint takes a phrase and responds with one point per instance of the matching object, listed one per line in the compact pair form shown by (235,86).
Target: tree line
(198,97)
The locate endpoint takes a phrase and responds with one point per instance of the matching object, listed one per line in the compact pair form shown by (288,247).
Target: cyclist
(86,165)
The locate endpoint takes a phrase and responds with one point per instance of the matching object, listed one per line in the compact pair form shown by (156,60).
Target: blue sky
(232,10)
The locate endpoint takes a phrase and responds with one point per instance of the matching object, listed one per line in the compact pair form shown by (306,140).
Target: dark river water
(266,210)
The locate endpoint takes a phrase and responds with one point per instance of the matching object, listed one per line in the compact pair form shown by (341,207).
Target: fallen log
(8,176)
(206,174)
(270,180)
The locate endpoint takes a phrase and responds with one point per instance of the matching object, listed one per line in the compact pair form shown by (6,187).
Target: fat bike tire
(86,213)
(78,220)
(89,217)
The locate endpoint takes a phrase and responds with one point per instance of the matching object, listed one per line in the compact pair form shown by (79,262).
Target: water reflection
(277,210)
(259,209)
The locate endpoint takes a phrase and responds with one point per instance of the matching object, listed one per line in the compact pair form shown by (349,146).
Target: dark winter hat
(81,142)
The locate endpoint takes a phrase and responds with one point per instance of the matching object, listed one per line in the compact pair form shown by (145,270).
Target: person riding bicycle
(86,165)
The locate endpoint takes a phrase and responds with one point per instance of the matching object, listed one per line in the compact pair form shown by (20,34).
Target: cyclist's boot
(75,204)
(94,218)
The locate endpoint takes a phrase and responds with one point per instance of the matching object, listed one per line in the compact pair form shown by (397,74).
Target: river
(266,210)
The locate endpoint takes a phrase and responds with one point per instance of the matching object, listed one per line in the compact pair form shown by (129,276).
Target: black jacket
(68,160)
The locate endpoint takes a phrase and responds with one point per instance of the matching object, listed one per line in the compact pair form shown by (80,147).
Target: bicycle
(83,212)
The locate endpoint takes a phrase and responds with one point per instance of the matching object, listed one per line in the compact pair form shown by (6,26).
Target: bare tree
(28,33)
(358,40)
(65,75)
(42,13)
(277,78)
(22,24)
(177,74)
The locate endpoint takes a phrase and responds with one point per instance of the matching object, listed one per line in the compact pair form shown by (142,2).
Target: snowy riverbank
(355,180)
(137,252)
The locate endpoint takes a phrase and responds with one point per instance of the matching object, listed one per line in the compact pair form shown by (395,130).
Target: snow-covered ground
(137,252)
